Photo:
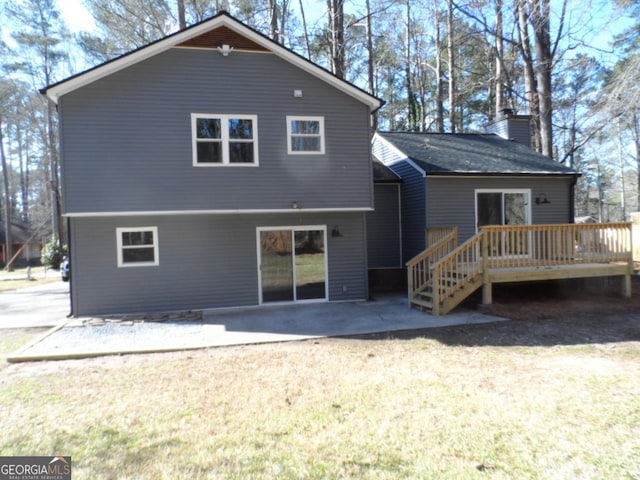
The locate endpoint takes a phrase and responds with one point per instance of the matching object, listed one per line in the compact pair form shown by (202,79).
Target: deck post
(627,286)
(630,263)
(487,297)
(435,289)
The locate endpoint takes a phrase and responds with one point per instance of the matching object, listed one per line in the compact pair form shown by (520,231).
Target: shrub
(52,254)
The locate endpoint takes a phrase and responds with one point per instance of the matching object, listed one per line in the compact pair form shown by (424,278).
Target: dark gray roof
(472,153)
(382,173)
(19,233)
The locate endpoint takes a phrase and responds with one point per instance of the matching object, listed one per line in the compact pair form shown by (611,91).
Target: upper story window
(137,247)
(224,139)
(305,135)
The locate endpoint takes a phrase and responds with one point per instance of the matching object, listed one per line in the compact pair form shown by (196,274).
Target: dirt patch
(561,299)
(554,313)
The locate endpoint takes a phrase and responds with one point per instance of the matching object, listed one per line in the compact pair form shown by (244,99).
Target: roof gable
(223,36)
(212,33)
(455,154)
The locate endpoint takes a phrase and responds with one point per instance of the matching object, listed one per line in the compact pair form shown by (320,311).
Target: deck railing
(513,246)
(419,268)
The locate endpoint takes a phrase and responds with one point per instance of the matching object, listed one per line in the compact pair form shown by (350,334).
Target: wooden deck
(445,274)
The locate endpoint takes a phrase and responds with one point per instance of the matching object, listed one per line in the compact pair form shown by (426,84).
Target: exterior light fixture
(225,50)
(542,199)
(336,232)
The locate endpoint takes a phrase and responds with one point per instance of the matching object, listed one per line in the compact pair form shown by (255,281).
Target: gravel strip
(124,337)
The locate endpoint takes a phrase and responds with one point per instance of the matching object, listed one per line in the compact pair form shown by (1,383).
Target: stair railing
(419,268)
(456,270)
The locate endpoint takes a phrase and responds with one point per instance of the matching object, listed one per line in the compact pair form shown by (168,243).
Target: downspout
(71,264)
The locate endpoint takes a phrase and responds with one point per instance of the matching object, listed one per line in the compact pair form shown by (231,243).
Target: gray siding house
(214,168)
(471,180)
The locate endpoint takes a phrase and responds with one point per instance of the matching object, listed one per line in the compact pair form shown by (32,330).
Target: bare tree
(8,243)
(40,37)
(335,12)
(452,67)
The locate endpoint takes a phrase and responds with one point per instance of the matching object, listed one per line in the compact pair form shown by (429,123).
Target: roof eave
(502,174)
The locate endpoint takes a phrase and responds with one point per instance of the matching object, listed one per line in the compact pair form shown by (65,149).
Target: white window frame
(121,247)
(224,131)
(290,135)
(293,229)
(525,191)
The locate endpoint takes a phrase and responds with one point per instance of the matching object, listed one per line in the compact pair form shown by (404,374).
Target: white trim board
(213,212)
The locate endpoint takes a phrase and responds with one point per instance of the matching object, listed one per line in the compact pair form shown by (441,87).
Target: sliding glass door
(292,264)
(505,207)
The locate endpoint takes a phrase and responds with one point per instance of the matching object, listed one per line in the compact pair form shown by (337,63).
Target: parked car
(65,271)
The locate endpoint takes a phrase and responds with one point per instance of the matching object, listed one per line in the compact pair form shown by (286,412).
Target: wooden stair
(444,275)
(459,287)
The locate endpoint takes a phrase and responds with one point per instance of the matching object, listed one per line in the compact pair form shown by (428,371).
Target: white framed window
(305,135)
(137,247)
(224,140)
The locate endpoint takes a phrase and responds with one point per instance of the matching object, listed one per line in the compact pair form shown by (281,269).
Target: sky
(75,14)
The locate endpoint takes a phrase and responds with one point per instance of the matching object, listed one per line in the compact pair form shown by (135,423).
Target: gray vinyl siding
(126,139)
(383,151)
(451,201)
(413,209)
(383,228)
(205,261)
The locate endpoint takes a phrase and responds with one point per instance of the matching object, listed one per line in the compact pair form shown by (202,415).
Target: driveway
(39,306)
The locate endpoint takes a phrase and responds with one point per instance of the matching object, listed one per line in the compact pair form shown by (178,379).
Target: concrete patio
(82,338)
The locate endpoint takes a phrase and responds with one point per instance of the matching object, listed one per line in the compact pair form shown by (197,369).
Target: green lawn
(520,400)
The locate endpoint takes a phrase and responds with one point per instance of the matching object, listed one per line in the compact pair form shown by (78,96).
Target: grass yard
(17,278)
(544,399)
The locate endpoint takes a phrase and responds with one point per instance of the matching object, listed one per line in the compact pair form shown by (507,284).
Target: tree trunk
(499,80)
(372,86)
(636,143)
(306,31)
(273,23)
(8,243)
(544,67)
(411,111)
(452,68)
(529,74)
(24,176)
(336,29)
(182,21)
(439,79)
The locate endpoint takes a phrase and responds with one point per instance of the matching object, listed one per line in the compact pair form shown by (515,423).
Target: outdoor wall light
(295,205)
(225,50)
(542,199)
(336,232)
